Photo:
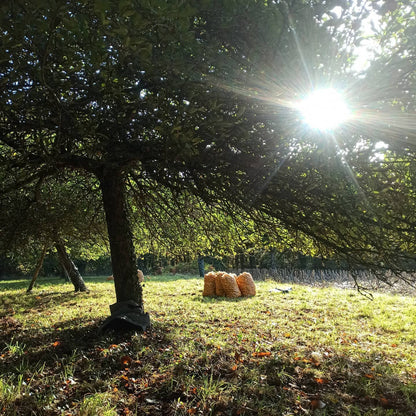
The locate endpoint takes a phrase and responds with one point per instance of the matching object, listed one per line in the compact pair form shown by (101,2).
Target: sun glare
(324,109)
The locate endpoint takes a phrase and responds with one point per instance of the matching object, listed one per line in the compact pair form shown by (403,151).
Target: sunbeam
(324,109)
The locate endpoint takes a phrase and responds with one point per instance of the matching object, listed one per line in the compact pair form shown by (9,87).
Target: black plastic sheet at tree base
(126,316)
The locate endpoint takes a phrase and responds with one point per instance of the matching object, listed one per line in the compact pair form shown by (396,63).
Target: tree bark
(37,270)
(201,266)
(70,267)
(273,262)
(65,274)
(120,234)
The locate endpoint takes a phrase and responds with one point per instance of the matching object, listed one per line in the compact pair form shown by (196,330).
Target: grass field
(320,351)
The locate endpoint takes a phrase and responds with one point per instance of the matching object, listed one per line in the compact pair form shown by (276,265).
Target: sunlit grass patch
(97,404)
(272,354)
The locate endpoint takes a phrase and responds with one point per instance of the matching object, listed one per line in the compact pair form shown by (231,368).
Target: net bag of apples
(228,285)
(209,284)
(246,284)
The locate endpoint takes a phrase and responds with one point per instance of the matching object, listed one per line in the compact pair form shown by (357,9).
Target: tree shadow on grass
(47,361)
(49,344)
(37,302)
(16,284)
(66,366)
(150,369)
(70,360)
(350,386)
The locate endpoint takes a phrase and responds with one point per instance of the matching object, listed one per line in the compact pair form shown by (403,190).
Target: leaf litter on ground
(317,349)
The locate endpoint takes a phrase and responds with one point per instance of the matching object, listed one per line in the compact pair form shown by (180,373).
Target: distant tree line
(154,264)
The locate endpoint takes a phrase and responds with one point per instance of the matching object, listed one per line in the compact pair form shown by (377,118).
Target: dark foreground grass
(322,351)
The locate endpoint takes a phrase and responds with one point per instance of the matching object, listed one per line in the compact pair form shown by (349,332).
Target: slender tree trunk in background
(273,262)
(235,262)
(37,270)
(70,267)
(252,261)
(120,234)
(242,262)
(65,274)
(201,266)
(239,262)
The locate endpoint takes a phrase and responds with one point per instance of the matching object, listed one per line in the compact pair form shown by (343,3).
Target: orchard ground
(314,350)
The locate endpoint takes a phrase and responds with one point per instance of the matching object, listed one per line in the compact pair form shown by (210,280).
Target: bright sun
(324,109)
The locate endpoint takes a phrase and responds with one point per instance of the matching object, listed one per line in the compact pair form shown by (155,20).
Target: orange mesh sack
(140,275)
(230,286)
(246,284)
(209,284)
(219,289)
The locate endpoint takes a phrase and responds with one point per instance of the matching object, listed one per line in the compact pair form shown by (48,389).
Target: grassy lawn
(320,351)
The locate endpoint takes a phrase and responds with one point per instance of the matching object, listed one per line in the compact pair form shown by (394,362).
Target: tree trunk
(252,261)
(123,256)
(70,267)
(64,273)
(201,266)
(37,270)
(273,262)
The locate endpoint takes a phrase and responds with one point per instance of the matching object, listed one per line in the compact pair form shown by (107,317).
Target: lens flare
(324,109)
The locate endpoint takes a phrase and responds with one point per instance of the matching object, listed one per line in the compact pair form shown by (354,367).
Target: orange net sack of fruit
(219,289)
(246,284)
(230,286)
(209,284)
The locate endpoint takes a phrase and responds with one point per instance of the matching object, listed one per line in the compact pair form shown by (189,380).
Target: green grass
(273,354)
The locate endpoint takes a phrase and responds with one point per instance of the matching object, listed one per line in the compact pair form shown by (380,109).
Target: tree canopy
(198,98)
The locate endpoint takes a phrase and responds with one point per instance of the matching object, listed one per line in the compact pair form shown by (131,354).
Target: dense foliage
(186,110)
